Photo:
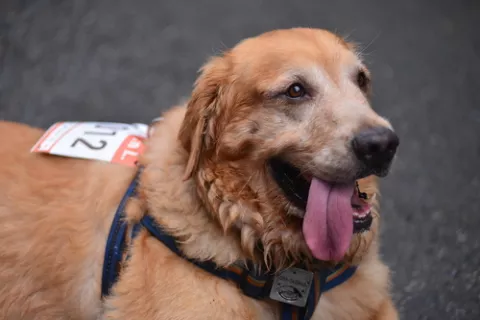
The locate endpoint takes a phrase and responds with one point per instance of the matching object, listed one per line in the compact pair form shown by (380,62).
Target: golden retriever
(259,166)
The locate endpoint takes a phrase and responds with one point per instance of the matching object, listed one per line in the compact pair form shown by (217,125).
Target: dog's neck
(175,203)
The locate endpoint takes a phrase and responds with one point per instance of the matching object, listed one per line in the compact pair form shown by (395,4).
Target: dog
(272,163)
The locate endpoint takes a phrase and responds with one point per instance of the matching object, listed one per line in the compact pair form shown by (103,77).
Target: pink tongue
(328,221)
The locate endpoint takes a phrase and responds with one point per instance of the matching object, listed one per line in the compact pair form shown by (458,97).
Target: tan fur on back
(204,181)
(55,215)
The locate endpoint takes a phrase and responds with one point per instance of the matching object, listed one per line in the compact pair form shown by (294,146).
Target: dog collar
(253,283)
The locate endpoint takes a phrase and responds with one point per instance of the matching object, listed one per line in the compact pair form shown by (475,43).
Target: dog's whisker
(361,52)
(246,183)
(307,167)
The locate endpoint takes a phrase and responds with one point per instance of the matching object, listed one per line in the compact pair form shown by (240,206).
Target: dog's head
(279,130)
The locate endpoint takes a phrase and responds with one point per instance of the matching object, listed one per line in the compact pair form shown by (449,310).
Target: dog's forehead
(280,51)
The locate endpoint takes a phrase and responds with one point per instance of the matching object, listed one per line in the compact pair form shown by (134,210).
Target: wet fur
(206,182)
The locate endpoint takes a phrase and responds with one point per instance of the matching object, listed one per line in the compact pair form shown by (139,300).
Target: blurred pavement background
(124,60)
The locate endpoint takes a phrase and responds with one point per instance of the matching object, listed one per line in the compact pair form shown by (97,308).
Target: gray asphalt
(123,60)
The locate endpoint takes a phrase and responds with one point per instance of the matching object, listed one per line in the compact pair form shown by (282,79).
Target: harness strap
(253,284)
(116,241)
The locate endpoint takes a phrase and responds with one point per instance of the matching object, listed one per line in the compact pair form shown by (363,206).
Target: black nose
(375,148)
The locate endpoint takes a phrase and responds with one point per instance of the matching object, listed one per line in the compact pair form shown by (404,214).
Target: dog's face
(279,130)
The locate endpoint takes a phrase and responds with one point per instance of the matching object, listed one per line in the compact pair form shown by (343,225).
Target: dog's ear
(198,130)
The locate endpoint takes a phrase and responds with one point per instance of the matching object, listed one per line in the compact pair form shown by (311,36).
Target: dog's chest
(157,284)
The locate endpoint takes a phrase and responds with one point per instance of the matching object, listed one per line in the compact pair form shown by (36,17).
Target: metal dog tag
(292,286)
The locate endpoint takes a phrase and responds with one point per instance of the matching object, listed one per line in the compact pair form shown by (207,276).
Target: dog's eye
(295,91)
(362,80)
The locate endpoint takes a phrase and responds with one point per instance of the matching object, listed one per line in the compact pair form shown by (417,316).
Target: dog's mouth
(333,210)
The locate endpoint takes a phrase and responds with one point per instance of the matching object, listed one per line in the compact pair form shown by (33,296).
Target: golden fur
(206,182)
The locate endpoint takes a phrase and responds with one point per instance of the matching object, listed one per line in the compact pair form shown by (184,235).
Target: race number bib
(105,141)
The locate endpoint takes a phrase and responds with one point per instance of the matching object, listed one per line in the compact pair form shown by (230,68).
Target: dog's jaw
(263,235)
(264,223)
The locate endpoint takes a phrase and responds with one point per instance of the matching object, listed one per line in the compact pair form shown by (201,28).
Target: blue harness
(252,283)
